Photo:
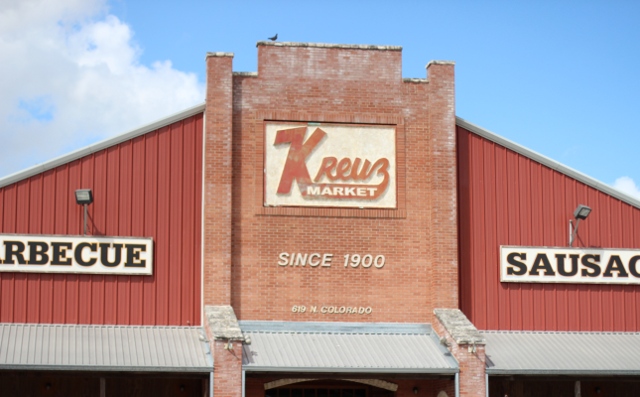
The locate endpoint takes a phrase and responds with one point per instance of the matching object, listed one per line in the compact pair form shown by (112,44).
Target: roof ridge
(548,162)
(101,145)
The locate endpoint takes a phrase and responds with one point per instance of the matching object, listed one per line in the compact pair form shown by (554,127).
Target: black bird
(274,38)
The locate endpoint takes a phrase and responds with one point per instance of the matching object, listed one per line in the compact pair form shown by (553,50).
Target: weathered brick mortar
(330,84)
(467,346)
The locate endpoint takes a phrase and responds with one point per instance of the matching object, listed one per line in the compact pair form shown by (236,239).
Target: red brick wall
(471,364)
(227,369)
(419,239)
(217,181)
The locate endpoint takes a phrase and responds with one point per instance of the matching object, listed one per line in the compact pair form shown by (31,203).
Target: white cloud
(70,75)
(628,186)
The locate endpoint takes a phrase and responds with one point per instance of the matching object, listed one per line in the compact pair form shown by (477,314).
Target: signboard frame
(567,265)
(64,254)
(321,165)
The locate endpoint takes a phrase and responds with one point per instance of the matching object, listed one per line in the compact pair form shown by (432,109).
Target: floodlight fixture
(581,212)
(84,197)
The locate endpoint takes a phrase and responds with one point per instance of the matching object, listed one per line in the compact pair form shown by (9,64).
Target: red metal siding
(508,199)
(149,186)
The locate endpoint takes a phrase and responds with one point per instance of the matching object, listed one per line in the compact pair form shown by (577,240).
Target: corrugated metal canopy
(344,348)
(562,353)
(104,348)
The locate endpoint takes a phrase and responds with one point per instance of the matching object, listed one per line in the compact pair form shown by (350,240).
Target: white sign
(569,265)
(330,166)
(78,254)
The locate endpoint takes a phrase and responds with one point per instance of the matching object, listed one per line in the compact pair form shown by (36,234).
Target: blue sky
(560,78)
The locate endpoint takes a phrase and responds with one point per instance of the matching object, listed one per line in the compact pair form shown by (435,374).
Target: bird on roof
(274,38)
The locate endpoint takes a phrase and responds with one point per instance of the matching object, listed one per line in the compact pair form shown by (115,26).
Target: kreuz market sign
(76,254)
(569,265)
(330,166)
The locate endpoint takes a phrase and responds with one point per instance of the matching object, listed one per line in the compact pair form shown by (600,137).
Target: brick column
(444,197)
(227,373)
(467,346)
(217,179)
(225,339)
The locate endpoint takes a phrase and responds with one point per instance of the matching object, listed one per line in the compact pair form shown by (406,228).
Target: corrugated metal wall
(507,199)
(150,186)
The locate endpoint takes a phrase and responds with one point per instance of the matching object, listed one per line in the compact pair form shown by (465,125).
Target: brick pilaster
(217,179)
(467,346)
(227,373)
(225,336)
(444,199)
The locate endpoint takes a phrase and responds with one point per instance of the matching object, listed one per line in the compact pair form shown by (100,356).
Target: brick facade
(330,85)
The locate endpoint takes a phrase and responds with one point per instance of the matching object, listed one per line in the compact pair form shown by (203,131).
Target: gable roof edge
(95,147)
(546,161)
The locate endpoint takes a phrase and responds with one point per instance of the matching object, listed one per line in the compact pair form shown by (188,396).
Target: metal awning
(344,348)
(104,348)
(562,353)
